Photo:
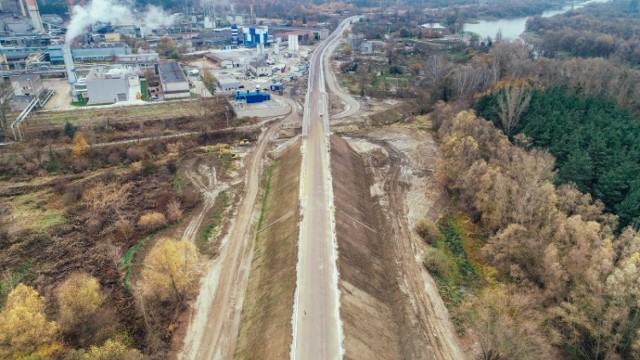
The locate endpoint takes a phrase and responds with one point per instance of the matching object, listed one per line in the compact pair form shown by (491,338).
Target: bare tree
(467,80)
(512,103)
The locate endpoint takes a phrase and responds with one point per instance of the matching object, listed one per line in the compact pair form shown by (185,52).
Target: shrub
(428,231)
(174,211)
(134,154)
(54,166)
(152,220)
(94,224)
(123,230)
(114,158)
(436,262)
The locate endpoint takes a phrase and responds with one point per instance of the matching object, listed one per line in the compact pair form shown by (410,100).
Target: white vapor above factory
(106,11)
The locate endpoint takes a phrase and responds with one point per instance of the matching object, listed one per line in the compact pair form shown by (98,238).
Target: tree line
(596,144)
(559,283)
(609,30)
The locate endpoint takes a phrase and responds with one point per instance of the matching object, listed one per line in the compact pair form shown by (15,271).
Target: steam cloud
(113,12)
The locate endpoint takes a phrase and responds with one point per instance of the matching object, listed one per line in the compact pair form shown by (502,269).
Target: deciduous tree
(170,270)
(24,328)
(78,297)
(512,101)
(112,349)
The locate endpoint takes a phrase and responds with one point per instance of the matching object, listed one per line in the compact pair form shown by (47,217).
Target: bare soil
(400,161)
(372,324)
(215,316)
(265,331)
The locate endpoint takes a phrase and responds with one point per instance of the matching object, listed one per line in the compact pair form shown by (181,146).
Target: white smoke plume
(108,11)
(155,18)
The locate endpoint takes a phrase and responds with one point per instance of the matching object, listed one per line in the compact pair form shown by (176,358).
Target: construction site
(97,190)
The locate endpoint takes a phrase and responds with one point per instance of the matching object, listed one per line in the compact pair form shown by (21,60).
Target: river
(512,28)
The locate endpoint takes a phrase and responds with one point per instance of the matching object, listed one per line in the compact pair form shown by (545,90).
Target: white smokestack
(68,64)
(108,11)
(71,69)
(34,14)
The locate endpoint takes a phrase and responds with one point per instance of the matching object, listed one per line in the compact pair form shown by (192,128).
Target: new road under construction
(314,265)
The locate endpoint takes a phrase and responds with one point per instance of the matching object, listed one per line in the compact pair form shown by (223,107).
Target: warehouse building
(173,81)
(222,61)
(107,84)
(259,68)
(227,82)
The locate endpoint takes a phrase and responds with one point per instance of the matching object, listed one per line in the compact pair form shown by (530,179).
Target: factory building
(221,60)
(27,85)
(15,24)
(217,38)
(16,7)
(227,83)
(104,52)
(141,61)
(24,8)
(253,37)
(106,84)
(173,81)
(259,68)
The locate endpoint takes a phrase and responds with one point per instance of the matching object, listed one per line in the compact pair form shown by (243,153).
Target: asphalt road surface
(317,332)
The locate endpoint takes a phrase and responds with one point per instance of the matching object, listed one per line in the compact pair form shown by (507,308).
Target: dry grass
(265,328)
(34,211)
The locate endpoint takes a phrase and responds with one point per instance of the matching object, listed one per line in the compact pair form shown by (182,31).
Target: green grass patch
(215,220)
(144,90)
(266,185)
(451,260)
(81,102)
(51,220)
(178,181)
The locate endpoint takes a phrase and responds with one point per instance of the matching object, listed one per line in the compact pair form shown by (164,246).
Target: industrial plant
(129,56)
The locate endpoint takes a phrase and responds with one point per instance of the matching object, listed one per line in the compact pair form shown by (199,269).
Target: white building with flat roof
(227,82)
(107,84)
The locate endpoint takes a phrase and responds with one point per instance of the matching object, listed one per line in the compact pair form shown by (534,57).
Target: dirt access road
(317,332)
(215,321)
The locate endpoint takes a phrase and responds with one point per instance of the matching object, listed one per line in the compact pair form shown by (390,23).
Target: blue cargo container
(253,96)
